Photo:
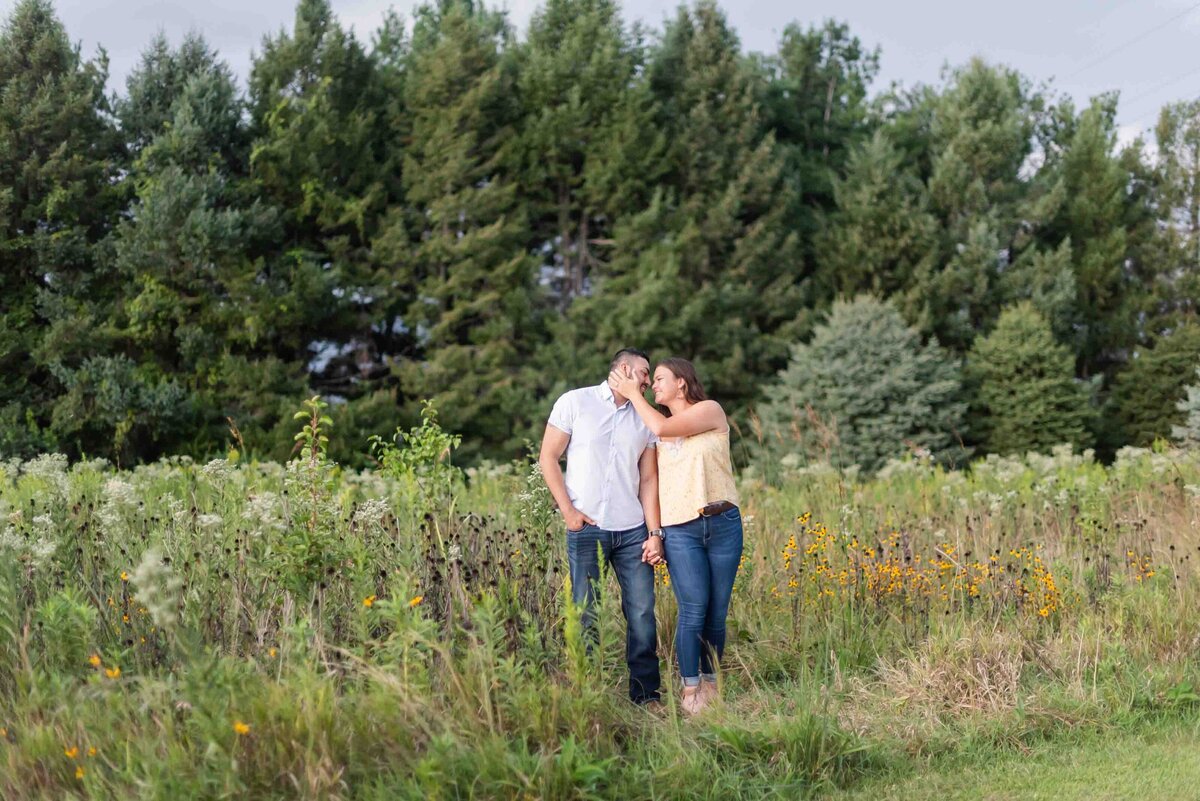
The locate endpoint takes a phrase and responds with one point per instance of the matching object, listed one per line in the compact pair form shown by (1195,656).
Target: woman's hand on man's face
(623,380)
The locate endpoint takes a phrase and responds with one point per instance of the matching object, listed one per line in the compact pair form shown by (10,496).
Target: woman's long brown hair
(693,390)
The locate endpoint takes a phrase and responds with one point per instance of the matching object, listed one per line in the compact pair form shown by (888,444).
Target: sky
(1146,49)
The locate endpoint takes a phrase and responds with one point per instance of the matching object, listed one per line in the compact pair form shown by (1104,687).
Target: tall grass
(300,631)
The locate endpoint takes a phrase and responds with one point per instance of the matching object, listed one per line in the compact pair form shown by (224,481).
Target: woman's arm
(703,416)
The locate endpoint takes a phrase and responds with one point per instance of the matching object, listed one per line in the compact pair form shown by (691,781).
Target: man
(609,502)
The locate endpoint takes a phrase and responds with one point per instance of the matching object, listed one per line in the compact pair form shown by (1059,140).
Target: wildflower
(124,576)
(92,751)
(241,728)
(79,771)
(158,589)
(416,600)
(113,672)
(271,652)
(71,752)
(94,660)
(369,601)
(1044,611)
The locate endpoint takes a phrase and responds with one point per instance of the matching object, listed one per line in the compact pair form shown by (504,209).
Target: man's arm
(652,551)
(554,445)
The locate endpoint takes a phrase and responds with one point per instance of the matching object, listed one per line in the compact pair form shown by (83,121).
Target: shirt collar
(607,394)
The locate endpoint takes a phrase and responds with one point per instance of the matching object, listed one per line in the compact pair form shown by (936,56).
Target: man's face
(640,368)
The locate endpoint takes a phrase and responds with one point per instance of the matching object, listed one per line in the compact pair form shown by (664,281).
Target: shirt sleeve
(652,440)
(562,416)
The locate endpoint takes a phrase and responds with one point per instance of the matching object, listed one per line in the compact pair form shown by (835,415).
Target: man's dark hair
(622,353)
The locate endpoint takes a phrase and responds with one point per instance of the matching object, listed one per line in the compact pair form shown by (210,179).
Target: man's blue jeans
(622,551)
(703,556)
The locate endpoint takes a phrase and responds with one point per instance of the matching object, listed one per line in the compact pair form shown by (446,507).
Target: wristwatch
(658,532)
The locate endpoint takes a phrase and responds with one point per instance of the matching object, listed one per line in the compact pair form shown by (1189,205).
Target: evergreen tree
(1188,432)
(203,298)
(863,391)
(708,270)
(1143,405)
(327,154)
(882,234)
(59,161)
(153,88)
(587,147)
(979,134)
(1025,396)
(476,305)
(815,101)
(1092,216)
(1178,189)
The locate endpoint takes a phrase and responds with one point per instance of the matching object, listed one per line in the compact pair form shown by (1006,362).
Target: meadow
(247,629)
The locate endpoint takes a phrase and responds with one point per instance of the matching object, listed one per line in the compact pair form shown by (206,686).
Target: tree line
(448,210)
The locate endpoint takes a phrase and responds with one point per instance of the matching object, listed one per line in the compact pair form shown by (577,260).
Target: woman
(700,517)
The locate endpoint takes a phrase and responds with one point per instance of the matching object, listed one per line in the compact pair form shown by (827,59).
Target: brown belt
(716,508)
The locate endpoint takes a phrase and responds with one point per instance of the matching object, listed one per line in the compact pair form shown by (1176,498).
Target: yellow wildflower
(113,672)
(79,771)
(94,660)
(71,752)
(369,601)
(241,728)
(124,576)
(416,600)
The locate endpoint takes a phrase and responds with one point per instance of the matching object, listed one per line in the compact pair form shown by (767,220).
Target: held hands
(623,381)
(652,551)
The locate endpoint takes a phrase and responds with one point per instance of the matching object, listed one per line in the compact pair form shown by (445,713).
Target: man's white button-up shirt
(602,457)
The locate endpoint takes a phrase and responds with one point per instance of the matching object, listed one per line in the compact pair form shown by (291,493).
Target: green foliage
(1024,393)
(60,161)
(447,661)
(422,455)
(478,217)
(865,390)
(1188,432)
(1143,404)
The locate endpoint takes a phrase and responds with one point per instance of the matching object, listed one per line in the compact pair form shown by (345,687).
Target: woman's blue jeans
(703,557)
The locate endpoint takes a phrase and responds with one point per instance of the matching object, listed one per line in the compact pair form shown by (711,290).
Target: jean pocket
(732,515)
(580,530)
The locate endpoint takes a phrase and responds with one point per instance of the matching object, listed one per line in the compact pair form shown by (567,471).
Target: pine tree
(1188,433)
(59,163)
(327,153)
(865,390)
(202,298)
(708,270)
(587,147)
(1143,405)
(1177,136)
(1102,220)
(477,298)
(979,134)
(815,101)
(882,234)
(1025,396)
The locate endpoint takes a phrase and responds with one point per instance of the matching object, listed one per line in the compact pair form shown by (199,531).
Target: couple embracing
(644,487)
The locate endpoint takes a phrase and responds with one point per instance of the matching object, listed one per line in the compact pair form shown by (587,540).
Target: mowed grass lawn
(1159,762)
